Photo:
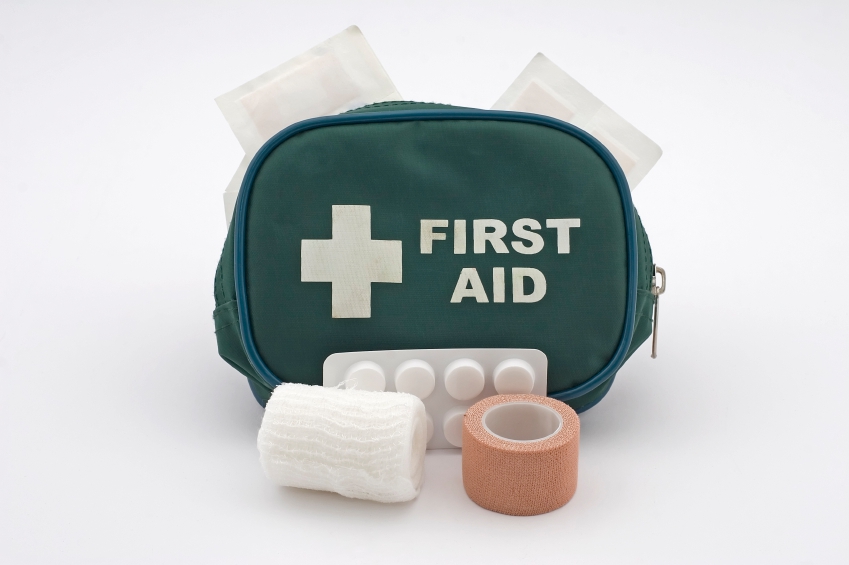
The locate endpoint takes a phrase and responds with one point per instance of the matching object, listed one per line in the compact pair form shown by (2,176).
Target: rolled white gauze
(360,444)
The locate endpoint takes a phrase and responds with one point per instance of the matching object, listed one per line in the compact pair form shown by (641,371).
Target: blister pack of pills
(544,88)
(447,381)
(335,76)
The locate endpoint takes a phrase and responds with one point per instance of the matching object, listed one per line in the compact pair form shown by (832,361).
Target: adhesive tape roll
(520,454)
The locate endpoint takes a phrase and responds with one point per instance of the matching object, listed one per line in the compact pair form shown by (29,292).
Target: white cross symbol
(351,261)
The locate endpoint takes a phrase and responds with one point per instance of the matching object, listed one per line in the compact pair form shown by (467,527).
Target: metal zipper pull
(656,291)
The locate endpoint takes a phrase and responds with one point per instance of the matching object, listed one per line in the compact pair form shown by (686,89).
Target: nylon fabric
(449,162)
(437,169)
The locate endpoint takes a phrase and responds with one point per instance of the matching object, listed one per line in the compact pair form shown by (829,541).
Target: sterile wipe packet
(233,187)
(335,76)
(544,88)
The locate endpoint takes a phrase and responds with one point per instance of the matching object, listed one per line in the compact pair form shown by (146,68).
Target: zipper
(390,103)
(656,292)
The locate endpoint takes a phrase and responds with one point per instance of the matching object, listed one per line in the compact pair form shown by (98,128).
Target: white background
(123,436)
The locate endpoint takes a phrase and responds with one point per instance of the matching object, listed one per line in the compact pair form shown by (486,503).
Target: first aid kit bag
(413,226)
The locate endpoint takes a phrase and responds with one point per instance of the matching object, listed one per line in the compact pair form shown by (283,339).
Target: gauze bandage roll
(361,444)
(520,454)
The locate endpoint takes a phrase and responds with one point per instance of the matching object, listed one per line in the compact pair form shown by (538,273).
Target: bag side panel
(643,323)
(586,401)
(645,299)
(226,318)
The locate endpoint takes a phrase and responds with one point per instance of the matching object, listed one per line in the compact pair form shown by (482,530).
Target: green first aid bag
(424,226)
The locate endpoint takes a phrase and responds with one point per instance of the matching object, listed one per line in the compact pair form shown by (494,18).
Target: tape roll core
(520,454)
(522,421)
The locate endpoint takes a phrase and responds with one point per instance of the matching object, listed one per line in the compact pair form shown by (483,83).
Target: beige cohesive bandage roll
(520,454)
(361,444)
